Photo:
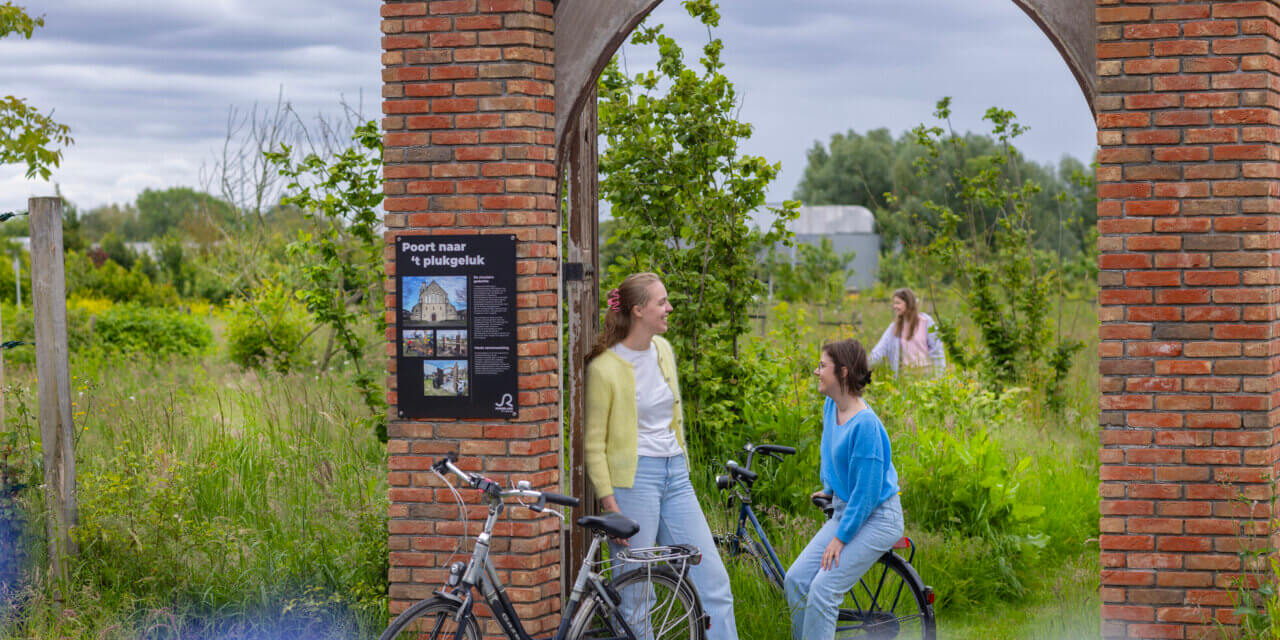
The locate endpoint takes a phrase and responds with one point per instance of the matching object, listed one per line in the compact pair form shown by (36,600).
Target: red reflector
(903,543)
(929,597)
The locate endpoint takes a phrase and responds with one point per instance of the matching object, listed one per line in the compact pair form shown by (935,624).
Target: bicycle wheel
(432,619)
(656,603)
(889,602)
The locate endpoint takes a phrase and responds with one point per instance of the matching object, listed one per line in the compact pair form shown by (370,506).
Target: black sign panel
(456,326)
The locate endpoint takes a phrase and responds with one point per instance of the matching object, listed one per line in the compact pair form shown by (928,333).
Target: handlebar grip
(776,448)
(556,498)
(740,472)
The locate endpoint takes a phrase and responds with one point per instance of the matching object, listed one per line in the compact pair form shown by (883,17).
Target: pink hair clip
(615,301)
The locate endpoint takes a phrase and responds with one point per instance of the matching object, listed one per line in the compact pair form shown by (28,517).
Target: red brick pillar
(1189,207)
(469,121)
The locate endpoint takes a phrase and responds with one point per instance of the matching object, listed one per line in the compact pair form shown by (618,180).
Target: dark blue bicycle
(889,602)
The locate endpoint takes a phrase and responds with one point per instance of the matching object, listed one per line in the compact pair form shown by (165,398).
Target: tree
(26,135)
(164,210)
(1007,287)
(681,194)
(864,169)
(341,261)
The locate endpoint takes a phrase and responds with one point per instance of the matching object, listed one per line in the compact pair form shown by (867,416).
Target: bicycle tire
(889,602)
(431,619)
(592,620)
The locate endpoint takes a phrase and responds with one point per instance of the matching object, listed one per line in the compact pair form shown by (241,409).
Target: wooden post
(583,311)
(53,380)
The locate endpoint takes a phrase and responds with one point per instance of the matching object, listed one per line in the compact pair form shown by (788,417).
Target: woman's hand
(813,495)
(831,557)
(610,503)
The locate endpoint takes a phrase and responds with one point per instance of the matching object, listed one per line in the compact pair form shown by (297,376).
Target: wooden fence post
(53,380)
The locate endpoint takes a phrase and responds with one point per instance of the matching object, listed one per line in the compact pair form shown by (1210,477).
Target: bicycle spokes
(881,606)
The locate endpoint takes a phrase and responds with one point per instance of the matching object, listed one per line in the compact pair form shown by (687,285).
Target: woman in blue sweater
(858,472)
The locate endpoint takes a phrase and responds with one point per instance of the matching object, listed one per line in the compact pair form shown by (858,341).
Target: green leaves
(982,235)
(681,195)
(26,135)
(14,19)
(29,137)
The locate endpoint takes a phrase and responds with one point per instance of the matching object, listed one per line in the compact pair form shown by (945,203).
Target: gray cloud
(146,84)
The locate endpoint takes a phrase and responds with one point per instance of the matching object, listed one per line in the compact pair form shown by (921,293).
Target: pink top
(915,348)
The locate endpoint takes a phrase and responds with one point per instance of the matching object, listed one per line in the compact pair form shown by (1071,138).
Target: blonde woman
(911,339)
(635,448)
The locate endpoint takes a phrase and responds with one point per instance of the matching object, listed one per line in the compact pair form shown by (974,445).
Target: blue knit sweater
(856,465)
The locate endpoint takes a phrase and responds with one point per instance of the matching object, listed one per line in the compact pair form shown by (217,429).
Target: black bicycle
(649,598)
(890,601)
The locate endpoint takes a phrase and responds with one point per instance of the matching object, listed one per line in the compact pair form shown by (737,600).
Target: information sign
(456,326)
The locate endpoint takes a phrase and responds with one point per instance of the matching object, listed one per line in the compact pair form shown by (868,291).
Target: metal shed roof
(825,219)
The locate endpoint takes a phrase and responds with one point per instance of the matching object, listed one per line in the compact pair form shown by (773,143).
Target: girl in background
(911,338)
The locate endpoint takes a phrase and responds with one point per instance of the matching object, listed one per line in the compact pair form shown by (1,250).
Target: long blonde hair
(633,292)
(910,317)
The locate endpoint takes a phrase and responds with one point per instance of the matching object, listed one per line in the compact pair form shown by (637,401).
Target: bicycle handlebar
(745,474)
(774,448)
(560,499)
(493,489)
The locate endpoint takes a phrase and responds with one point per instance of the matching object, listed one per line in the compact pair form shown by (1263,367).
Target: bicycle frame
(747,515)
(741,491)
(482,576)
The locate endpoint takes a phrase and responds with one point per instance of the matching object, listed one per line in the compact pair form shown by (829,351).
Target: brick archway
(480,115)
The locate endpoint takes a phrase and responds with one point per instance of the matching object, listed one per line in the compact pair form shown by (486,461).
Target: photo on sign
(451,344)
(445,378)
(433,301)
(418,343)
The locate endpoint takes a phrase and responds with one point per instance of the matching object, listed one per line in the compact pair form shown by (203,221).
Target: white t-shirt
(655,404)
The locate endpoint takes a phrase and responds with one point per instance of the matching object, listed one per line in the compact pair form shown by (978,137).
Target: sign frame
(455,335)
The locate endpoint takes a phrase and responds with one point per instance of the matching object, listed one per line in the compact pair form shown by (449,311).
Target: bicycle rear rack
(682,554)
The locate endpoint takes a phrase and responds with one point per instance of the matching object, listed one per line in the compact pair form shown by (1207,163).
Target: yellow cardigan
(611,420)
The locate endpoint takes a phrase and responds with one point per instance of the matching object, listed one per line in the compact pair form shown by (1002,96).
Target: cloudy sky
(146,85)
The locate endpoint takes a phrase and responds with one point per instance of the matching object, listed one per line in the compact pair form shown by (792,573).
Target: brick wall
(1188,213)
(469,121)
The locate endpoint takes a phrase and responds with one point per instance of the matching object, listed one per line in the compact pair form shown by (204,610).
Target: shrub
(267,330)
(114,282)
(20,325)
(780,405)
(134,328)
(961,482)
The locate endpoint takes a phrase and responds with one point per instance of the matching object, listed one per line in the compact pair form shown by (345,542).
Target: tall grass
(215,503)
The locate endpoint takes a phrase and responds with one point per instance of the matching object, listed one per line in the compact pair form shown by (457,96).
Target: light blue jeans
(662,501)
(814,594)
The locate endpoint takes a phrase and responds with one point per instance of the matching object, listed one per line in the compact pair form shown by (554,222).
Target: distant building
(851,228)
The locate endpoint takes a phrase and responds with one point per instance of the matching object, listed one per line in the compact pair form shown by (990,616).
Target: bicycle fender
(917,584)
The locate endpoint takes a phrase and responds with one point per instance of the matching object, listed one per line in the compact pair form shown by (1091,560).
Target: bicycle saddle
(615,524)
(824,502)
